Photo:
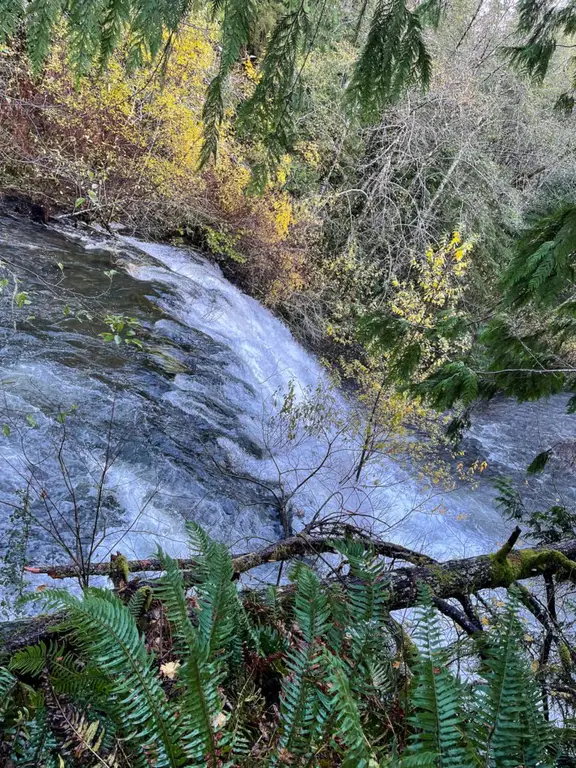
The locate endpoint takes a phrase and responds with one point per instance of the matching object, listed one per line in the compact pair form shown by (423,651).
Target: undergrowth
(306,675)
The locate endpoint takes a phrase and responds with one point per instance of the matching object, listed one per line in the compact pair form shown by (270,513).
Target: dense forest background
(343,217)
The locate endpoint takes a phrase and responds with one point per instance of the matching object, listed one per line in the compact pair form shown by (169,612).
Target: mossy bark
(450,579)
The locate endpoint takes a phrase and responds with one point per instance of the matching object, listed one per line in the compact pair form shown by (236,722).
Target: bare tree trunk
(367,444)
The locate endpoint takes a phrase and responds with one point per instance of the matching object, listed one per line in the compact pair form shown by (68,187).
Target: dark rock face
(38,211)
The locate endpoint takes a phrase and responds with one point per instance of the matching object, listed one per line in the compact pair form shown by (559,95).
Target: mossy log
(286,549)
(450,579)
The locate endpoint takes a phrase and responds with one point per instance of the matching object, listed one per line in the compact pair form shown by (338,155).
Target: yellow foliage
(133,142)
(282,216)
(434,282)
(251,72)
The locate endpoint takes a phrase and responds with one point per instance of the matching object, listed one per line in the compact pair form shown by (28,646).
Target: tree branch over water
(300,545)
(452,579)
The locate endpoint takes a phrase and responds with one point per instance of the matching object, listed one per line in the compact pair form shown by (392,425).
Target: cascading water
(187,426)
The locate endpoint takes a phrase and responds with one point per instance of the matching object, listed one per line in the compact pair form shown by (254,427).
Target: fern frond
(78,736)
(7,683)
(69,674)
(201,674)
(299,699)
(367,591)
(139,601)
(33,659)
(34,744)
(108,634)
(208,646)
(436,697)
(510,707)
(222,618)
(367,617)
(358,752)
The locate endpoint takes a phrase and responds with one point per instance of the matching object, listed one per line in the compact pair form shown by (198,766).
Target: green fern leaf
(358,752)
(7,683)
(509,707)
(200,672)
(299,702)
(441,738)
(108,634)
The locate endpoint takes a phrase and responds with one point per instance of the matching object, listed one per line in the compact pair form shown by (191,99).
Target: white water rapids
(187,427)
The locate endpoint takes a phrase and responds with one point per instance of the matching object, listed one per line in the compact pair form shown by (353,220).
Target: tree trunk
(451,579)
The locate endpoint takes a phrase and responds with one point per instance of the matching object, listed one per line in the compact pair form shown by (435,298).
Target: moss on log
(450,579)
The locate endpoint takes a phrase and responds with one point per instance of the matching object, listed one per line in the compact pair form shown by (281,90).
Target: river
(187,427)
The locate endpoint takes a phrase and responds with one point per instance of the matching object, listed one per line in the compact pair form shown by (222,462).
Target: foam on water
(194,416)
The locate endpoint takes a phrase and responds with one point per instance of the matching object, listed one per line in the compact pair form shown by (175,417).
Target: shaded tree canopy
(389,37)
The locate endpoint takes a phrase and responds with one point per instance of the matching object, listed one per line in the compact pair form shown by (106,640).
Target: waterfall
(189,427)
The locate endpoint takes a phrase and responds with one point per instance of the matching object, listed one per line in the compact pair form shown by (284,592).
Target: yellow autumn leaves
(134,140)
(434,282)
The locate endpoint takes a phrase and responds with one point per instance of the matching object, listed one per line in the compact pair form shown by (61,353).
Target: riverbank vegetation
(410,217)
(189,670)
(348,210)
(398,183)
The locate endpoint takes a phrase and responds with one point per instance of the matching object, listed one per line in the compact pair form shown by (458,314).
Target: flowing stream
(187,427)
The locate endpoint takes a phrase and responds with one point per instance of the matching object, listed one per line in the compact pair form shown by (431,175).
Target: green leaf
(105,630)
(31,420)
(393,58)
(539,462)
(438,701)
(21,299)
(7,684)
(6,430)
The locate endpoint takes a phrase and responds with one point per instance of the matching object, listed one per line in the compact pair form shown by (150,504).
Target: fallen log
(287,549)
(446,580)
